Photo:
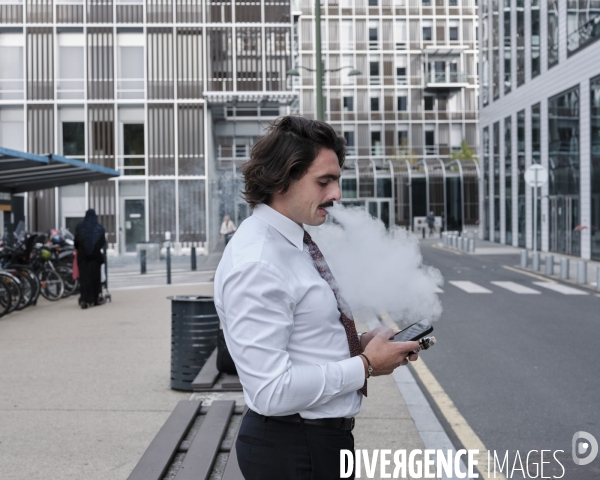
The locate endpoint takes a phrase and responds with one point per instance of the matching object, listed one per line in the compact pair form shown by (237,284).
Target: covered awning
(25,172)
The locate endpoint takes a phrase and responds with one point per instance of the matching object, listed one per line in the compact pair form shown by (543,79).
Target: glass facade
(485,54)
(496,146)
(507,48)
(508,178)
(486,182)
(535,38)
(521,182)
(495,49)
(520,42)
(582,24)
(563,163)
(536,132)
(595,127)
(552,33)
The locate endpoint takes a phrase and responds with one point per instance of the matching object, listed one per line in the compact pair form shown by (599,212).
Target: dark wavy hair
(285,153)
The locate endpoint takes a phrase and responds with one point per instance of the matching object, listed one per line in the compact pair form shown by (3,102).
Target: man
(431,222)
(292,337)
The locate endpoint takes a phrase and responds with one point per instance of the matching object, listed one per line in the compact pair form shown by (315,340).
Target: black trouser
(268,449)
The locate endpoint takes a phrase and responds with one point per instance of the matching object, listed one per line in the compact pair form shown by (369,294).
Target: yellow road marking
(387,321)
(545,279)
(469,439)
(446,250)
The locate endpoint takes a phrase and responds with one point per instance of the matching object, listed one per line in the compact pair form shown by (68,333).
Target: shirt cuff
(354,373)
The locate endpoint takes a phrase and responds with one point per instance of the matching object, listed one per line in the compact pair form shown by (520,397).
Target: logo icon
(583,448)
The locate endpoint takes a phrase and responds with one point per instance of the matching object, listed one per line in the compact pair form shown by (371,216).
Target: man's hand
(386,356)
(368,336)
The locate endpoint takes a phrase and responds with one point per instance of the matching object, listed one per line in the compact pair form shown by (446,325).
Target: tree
(465,152)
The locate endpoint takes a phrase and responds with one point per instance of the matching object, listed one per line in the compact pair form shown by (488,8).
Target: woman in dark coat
(89,240)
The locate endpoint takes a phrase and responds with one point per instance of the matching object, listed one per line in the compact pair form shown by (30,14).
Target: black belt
(340,423)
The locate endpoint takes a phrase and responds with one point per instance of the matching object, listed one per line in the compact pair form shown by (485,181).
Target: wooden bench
(209,379)
(188,444)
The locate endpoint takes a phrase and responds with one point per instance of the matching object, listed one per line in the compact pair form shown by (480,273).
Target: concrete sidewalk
(83,392)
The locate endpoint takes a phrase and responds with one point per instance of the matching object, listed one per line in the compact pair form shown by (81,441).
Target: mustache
(325,205)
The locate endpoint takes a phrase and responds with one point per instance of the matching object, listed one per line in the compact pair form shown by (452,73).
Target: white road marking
(560,288)
(517,288)
(470,287)
(438,290)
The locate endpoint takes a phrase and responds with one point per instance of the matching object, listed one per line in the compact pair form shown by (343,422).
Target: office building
(540,98)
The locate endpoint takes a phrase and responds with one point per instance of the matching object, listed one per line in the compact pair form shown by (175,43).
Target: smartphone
(416,331)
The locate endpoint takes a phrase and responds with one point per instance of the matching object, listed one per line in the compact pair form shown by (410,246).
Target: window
(130,81)
(133,149)
(11,66)
(427,31)
(536,128)
(348,187)
(520,42)
(456,136)
(12,128)
(374,68)
(507,48)
(535,38)
(401,76)
(453,33)
(429,102)
(430,141)
(372,3)
(495,50)
(403,141)
(552,33)
(348,104)
(349,136)
(402,103)
(508,180)
(376,143)
(384,188)
(373,38)
(563,143)
(70,66)
(521,181)
(583,26)
(374,104)
(426,3)
(400,34)
(73,139)
(595,123)
(453,3)
(347,35)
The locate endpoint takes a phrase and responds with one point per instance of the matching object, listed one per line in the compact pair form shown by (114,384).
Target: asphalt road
(521,368)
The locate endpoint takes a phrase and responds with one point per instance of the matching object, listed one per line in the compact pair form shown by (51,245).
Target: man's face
(306,199)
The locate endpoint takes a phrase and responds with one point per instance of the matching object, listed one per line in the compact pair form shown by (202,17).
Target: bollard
(169,265)
(471,245)
(465,244)
(142,261)
(535,261)
(549,265)
(193,255)
(582,272)
(423,230)
(598,278)
(564,268)
(523,258)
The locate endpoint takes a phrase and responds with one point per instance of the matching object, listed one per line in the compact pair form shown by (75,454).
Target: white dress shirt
(282,325)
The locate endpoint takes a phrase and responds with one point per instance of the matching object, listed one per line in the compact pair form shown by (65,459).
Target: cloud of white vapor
(378,269)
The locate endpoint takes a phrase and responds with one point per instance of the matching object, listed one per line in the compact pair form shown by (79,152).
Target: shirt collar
(284,225)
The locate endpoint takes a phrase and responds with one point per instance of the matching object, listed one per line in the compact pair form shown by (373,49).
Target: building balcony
(446,80)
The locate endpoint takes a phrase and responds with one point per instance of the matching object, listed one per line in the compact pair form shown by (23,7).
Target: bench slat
(231,381)
(208,375)
(158,456)
(202,453)
(232,469)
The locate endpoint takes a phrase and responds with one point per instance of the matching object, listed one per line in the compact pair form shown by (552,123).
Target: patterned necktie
(345,312)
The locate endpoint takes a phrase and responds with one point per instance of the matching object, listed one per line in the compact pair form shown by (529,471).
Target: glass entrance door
(564,218)
(380,209)
(135,223)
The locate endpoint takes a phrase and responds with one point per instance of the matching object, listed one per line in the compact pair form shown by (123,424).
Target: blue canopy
(25,172)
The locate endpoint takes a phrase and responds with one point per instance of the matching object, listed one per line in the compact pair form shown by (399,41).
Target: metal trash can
(194,329)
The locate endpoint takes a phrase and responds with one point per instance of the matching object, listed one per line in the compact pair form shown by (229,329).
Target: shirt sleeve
(259,315)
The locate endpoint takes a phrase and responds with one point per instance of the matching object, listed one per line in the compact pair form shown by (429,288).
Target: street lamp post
(320,72)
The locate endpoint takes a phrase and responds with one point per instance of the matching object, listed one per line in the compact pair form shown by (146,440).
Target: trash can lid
(191,298)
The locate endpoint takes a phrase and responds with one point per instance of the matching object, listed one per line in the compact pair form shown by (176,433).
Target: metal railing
(132,164)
